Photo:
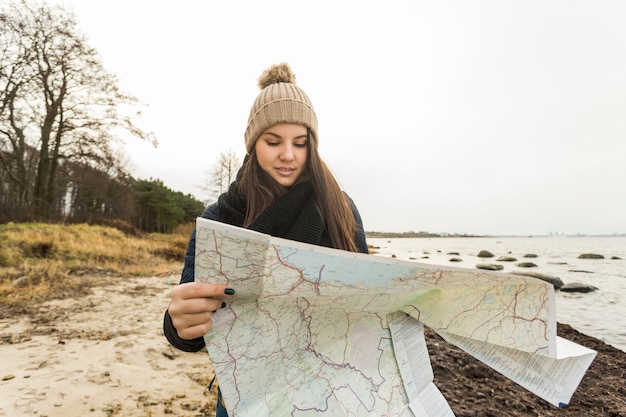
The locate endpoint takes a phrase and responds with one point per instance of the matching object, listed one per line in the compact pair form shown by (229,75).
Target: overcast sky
(483,117)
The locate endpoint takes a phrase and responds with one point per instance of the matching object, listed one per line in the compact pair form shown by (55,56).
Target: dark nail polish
(223,304)
(229,291)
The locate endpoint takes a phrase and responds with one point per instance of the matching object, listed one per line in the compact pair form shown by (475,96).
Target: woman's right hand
(192,306)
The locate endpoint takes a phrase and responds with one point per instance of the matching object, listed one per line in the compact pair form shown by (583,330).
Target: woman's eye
(299,145)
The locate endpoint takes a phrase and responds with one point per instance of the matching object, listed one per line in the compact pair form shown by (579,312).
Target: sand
(99,355)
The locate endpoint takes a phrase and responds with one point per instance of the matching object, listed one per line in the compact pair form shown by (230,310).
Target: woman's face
(282,152)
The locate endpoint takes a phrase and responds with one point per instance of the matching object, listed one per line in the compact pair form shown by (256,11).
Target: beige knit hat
(280,101)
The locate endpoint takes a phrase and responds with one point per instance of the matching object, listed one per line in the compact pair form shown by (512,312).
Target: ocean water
(601,314)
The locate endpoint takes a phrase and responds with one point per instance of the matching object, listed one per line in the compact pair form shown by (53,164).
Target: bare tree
(221,175)
(58,99)
(16,155)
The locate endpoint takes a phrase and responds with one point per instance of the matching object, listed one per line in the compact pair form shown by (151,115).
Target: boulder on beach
(526,265)
(590,256)
(485,254)
(455,259)
(530,255)
(490,267)
(578,287)
(555,281)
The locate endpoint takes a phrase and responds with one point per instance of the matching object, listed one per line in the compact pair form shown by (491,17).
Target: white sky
(484,117)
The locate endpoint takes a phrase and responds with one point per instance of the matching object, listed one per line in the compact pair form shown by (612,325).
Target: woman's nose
(287,152)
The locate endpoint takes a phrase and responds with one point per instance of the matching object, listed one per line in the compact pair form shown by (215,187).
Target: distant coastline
(377,235)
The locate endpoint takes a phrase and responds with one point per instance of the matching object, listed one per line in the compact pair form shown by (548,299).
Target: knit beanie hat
(280,101)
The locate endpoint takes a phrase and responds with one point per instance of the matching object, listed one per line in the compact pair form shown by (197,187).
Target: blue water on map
(601,314)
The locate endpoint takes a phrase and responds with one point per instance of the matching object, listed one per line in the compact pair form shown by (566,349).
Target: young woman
(283,189)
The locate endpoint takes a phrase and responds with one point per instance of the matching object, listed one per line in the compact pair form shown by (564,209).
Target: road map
(315,331)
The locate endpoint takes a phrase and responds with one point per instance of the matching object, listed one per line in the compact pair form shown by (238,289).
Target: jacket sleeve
(188,275)
(178,342)
(359,237)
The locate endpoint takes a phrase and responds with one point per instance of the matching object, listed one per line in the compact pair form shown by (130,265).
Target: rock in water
(590,256)
(490,267)
(555,281)
(578,287)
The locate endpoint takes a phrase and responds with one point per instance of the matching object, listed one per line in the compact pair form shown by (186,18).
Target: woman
(283,189)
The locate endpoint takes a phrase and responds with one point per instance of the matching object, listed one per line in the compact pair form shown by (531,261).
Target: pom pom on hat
(280,73)
(280,101)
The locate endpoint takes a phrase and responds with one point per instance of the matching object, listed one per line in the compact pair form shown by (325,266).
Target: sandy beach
(101,354)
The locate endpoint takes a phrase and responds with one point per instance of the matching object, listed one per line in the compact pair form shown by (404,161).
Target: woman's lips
(285,171)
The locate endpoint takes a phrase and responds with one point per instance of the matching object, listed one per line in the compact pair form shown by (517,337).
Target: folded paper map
(317,331)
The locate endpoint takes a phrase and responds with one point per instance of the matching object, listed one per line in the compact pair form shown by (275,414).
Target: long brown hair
(260,191)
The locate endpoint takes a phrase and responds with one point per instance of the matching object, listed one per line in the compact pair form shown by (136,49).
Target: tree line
(63,118)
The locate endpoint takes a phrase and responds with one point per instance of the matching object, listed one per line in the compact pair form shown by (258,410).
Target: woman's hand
(192,306)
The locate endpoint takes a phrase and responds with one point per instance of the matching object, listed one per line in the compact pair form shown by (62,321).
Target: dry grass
(50,260)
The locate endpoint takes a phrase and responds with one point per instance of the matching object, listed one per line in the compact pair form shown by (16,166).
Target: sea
(600,314)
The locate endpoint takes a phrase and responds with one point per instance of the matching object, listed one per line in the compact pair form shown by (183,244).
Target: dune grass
(40,260)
